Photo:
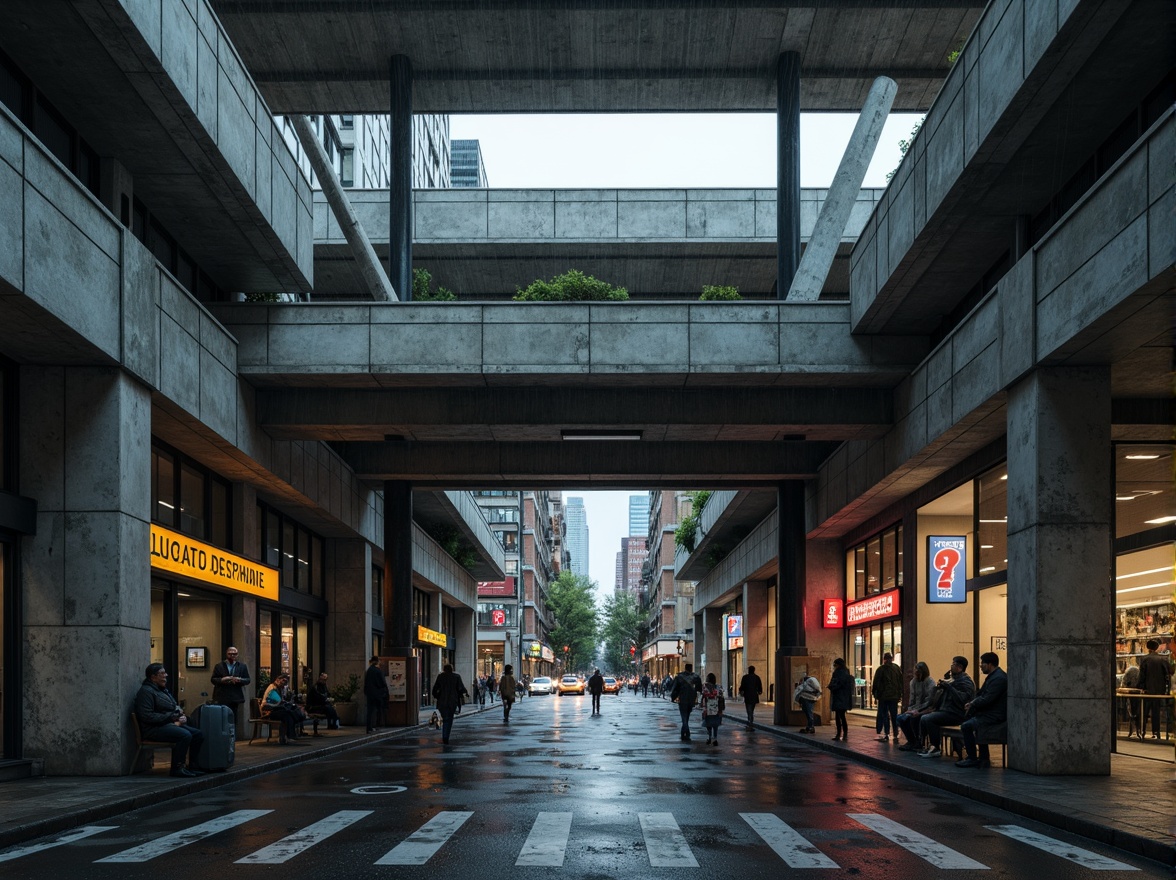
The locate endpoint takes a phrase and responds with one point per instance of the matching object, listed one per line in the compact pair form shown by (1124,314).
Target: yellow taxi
(570,684)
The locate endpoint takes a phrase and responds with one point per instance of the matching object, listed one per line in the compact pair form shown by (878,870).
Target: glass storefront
(874,568)
(290,644)
(189,634)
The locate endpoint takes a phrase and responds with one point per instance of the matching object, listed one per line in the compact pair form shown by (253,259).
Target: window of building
(1144,497)
(377,591)
(347,166)
(347,123)
(421,608)
(187,496)
(496,614)
(294,550)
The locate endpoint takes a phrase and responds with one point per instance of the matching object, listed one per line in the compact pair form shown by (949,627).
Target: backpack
(713,703)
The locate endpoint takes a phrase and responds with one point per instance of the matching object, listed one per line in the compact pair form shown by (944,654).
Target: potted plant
(343,697)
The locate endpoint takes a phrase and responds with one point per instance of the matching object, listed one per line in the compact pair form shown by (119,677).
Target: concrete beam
(535,413)
(584,463)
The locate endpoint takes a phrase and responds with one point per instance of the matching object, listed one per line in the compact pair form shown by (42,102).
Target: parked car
(541,684)
(611,685)
(570,684)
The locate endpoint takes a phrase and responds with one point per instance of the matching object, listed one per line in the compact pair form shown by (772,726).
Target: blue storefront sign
(947,557)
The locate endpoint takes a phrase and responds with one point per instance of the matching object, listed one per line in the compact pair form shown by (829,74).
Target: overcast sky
(658,150)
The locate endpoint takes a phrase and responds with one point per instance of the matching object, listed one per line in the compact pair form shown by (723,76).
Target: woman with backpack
(713,705)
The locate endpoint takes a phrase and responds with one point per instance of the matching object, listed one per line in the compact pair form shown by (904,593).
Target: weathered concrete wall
(745,561)
(1094,283)
(438,568)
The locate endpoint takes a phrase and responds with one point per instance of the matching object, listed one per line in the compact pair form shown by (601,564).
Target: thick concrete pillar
(843,192)
(756,650)
(787,170)
(712,637)
(398,623)
(400,178)
(1060,598)
(790,589)
(349,608)
(465,651)
(243,620)
(85,453)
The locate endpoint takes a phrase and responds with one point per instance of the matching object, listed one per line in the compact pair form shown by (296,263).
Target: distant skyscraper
(577,519)
(466,166)
(638,516)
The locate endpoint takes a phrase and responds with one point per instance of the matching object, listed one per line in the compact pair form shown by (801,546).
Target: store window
(288,643)
(874,575)
(295,551)
(1144,498)
(188,497)
(189,631)
(495,614)
(421,609)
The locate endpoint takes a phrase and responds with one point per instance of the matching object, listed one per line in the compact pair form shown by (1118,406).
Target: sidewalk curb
(1046,813)
(66,821)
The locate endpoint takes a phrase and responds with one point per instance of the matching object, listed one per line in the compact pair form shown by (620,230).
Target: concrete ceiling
(577,56)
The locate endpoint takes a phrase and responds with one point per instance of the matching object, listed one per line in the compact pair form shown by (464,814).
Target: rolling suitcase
(219,727)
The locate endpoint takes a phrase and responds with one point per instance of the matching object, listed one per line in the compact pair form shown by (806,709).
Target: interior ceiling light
(1163,520)
(1004,476)
(1166,585)
(1142,456)
(593,434)
(1136,574)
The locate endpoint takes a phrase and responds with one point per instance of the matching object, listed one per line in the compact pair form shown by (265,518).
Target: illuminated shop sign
(832,613)
(179,554)
(534,649)
(878,607)
(431,637)
(734,631)
(947,569)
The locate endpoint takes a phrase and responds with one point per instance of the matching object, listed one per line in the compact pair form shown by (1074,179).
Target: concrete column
(400,178)
(712,637)
(85,453)
(756,649)
(349,607)
(790,591)
(117,189)
(1060,587)
(243,623)
(398,624)
(465,654)
(847,184)
(787,170)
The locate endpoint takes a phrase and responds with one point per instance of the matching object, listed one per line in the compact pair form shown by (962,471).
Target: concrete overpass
(516,56)
(658,243)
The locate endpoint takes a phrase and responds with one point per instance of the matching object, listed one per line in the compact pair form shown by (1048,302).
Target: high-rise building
(358,148)
(630,562)
(639,516)
(576,517)
(466,166)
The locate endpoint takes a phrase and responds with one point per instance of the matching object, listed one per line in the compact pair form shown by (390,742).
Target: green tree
(624,625)
(571,598)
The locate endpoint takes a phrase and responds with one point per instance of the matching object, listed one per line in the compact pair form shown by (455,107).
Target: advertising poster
(947,557)
(397,680)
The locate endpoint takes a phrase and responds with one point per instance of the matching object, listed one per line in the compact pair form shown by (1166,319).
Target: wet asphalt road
(559,792)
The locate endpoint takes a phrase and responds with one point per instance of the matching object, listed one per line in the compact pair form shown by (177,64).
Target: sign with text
(947,557)
(497,588)
(874,608)
(179,554)
(832,613)
(431,637)
(396,675)
(734,631)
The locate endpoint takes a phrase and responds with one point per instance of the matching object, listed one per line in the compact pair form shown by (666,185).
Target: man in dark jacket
(162,719)
(229,678)
(987,712)
(685,691)
(448,691)
(375,692)
(1155,678)
(596,688)
(887,690)
(958,689)
(319,702)
(750,688)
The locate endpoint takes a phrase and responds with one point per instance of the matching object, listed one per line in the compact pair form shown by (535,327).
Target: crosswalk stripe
(664,842)
(924,847)
(422,844)
(154,848)
(786,842)
(285,849)
(68,837)
(548,841)
(1082,857)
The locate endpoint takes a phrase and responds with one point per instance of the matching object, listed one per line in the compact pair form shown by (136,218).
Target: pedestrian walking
(713,706)
(491,686)
(645,685)
(806,694)
(750,688)
(375,693)
(840,687)
(507,690)
(887,690)
(596,688)
(685,693)
(448,691)
(667,685)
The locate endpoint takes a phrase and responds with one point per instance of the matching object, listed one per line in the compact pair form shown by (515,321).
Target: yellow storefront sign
(179,554)
(432,637)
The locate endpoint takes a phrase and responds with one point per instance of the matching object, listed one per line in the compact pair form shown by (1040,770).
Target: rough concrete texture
(349,596)
(1059,514)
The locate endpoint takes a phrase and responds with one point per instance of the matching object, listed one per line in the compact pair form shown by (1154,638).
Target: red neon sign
(878,607)
(832,613)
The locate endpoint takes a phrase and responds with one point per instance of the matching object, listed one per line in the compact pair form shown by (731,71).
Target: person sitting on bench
(318,702)
(278,710)
(987,712)
(161,719)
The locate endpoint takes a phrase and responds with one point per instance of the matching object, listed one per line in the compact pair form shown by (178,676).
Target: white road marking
(664,842)
(924,847)
(300,841)
(1082,857)
(171,842)
(68,837)
(548,841)
(786,842)
(422,844)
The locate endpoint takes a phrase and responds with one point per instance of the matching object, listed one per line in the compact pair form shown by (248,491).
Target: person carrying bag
(808,691)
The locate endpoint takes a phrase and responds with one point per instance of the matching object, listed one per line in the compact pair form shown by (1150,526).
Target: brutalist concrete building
(961,443)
